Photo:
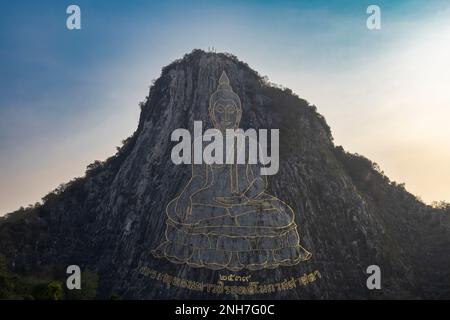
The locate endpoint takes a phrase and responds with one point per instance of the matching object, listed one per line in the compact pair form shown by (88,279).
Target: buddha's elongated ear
(212,116)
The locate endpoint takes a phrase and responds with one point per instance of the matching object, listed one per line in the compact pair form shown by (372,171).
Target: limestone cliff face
(348,214)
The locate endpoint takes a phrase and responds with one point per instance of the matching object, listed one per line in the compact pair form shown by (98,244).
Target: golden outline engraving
(243,228)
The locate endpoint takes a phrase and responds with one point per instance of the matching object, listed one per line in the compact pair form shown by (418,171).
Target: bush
(89,285)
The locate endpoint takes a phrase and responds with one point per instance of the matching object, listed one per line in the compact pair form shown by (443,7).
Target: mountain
(349,215)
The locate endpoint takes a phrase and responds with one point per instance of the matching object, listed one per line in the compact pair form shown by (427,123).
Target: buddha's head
(225,106)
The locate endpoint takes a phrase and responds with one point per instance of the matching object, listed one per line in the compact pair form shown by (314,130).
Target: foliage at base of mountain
(49,286)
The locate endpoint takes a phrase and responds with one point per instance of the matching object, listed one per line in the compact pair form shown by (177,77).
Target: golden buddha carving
(223,218)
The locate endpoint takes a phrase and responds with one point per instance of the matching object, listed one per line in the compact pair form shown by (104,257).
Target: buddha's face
(226,115)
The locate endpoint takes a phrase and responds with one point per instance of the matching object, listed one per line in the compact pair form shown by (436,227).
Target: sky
(69,97)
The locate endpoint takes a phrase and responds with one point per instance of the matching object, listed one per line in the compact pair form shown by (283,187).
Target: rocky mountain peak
(347,213)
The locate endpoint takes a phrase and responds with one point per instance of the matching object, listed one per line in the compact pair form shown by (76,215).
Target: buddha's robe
(258,232)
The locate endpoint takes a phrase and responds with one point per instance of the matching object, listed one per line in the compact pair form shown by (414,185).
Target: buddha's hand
(233,200)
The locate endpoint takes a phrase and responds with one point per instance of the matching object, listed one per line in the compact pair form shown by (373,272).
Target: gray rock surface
(349,215)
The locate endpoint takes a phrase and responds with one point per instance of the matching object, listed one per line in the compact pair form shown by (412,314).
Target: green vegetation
(115,296)
(48,287)
(442,205)
(89,285)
